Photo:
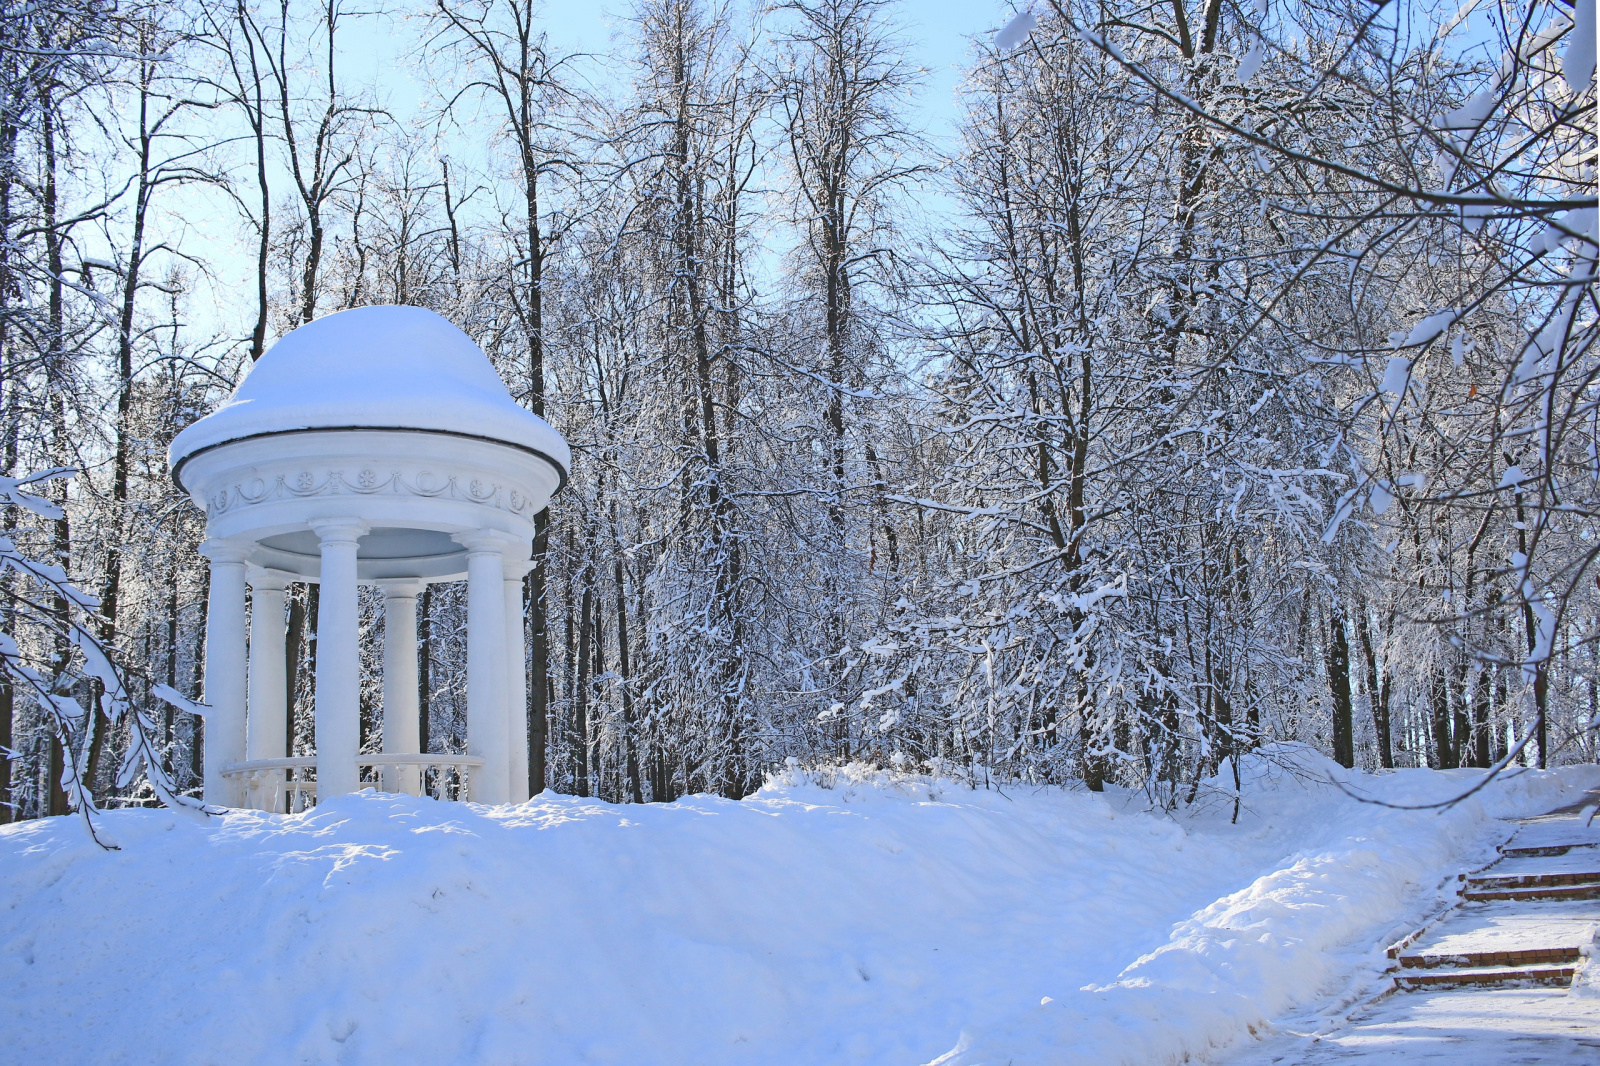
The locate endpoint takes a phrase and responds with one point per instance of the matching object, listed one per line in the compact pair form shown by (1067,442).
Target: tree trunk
(424,668)
(1444,750)
(1338,660)
(7,700)
(580,701)
(61,447)
(1094,768)
(296,631)
(1480,718)
(1377,689)
(630,747)
(8,460)
(171,675)
(58,795)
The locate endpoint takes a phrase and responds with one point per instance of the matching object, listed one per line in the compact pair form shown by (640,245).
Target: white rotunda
(375,446)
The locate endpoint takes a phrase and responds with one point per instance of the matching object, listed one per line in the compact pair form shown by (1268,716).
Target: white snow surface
(1577,62)
(1250,65)
(1429,328)
(1395,376)
(1015,32)
(374,367)
(841,916)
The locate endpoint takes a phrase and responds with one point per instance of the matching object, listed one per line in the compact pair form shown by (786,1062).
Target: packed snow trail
(885,919)
(1456,1027)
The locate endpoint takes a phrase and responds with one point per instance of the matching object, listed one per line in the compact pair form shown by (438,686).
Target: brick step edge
(1589,891)
(1491,959)
(1543,851)
(1539,975)
(1420,931)
(1545,880)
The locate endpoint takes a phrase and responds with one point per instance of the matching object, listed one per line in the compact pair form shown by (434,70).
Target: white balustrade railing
(282,785)
(289,786)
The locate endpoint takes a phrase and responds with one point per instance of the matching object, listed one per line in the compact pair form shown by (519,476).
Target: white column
(516,679)
(338,705)
(268,706)
(267,711)
(401,735)
(486,670)
(225,669)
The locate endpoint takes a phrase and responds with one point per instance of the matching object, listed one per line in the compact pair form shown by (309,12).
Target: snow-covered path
(1454,999)
(1456,1027)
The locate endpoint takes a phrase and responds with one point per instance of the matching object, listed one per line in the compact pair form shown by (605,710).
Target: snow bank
(885,919)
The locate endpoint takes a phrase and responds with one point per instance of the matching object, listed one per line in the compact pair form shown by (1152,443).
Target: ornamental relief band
(368,483)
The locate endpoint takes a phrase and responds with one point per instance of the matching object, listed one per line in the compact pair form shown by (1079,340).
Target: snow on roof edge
(386,367)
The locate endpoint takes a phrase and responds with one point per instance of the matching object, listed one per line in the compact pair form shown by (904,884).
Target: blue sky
(381,53)
(938,32)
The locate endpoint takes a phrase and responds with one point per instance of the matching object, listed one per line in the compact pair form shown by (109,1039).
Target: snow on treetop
(379,368)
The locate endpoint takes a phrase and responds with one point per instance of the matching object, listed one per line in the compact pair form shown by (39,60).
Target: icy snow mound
(843,916)
(374,368)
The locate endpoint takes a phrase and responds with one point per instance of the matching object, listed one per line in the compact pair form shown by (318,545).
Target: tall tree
(509,56)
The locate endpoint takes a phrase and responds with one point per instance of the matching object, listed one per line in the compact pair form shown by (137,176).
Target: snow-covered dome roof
(374,368)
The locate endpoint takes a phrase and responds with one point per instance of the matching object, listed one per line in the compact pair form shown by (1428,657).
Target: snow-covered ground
(874,918)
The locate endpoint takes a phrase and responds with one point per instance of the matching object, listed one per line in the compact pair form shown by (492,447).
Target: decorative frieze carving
(368,482)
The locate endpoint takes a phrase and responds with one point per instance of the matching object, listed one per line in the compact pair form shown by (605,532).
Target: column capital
(517,569)
(491,541)
(338,530)
(225,551)
(263,580)
(401,588)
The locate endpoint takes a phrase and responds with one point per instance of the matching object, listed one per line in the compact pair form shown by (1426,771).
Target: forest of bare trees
(1229,379)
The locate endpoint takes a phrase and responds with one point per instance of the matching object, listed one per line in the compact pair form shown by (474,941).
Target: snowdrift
(849,917)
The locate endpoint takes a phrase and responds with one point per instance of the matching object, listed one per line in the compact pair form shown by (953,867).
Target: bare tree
(511,64)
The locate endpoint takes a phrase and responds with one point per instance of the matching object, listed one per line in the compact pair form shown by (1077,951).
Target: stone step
(1491,959)
(1485,975)
(1546,850)
(1549,879)
(1586,890)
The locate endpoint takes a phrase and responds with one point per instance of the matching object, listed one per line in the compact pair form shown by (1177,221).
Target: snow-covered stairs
(1548,872)
(1460,971)
(1528,919)
(1512,982)
(1499,944)
(1537,886)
